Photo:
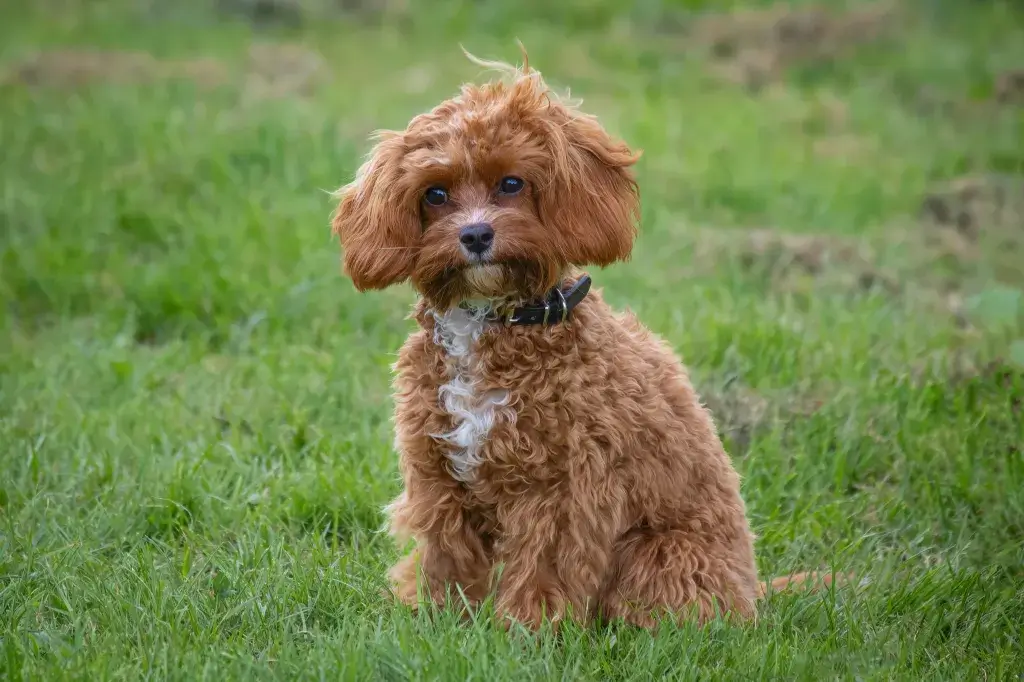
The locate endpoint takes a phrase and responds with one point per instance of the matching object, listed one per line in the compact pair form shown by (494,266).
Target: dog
(554,453)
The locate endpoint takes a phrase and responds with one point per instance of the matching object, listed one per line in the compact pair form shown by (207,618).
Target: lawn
(195,443)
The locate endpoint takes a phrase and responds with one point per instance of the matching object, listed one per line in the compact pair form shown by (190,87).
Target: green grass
(194,403)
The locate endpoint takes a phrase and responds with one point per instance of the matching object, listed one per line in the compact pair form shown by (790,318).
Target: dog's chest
(472,408)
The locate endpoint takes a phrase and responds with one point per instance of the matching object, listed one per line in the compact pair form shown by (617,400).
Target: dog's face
(493,194)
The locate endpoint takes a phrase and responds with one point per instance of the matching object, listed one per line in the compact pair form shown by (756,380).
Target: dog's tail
(807,581)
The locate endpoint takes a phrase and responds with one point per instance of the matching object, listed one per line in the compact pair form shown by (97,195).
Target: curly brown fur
(570,468)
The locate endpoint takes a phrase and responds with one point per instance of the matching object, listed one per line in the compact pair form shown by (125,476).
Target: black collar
(556,307)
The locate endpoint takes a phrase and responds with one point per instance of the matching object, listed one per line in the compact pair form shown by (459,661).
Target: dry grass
(753,47)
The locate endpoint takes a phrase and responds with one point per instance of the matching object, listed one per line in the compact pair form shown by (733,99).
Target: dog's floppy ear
(378,225)
(592,200)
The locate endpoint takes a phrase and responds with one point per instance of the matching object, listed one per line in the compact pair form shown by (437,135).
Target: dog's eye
(511,185)
(436,196)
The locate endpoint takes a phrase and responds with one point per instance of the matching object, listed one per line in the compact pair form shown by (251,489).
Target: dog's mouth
(507,280)
(486,280)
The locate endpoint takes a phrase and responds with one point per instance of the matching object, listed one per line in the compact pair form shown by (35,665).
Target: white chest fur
(473,410)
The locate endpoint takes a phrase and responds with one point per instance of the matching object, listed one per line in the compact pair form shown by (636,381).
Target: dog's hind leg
(660,572)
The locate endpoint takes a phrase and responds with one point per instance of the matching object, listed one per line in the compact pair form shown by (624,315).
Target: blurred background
(194,407)
(145,140)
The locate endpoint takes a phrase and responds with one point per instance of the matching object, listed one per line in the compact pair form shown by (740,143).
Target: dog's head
(493,194)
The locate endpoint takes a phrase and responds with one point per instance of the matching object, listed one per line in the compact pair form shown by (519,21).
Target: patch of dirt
(791,261)
(271,70)
(935,270)
(970,233)
(974,205)
(276,70)
(977,222)
(739,411)
(999,375)
(756,47)
(266,12)
(81,67)
(293,13)
(998,372)
(1009,87)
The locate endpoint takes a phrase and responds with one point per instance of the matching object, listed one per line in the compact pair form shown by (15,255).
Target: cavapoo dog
(552,450)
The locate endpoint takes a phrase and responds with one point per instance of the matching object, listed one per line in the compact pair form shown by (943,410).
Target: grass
(194,404)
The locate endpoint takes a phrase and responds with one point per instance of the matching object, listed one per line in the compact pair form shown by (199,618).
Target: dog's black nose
(477,237)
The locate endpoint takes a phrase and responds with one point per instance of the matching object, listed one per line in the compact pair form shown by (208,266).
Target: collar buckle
(565,307)
(510,317)
(540,312)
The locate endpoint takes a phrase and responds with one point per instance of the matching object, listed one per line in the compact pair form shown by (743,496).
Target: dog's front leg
(553,555)
(449,556)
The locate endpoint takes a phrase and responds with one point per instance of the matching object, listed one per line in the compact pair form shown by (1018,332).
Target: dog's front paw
(411,586)
(528,618)
(528,609)
(404,580)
